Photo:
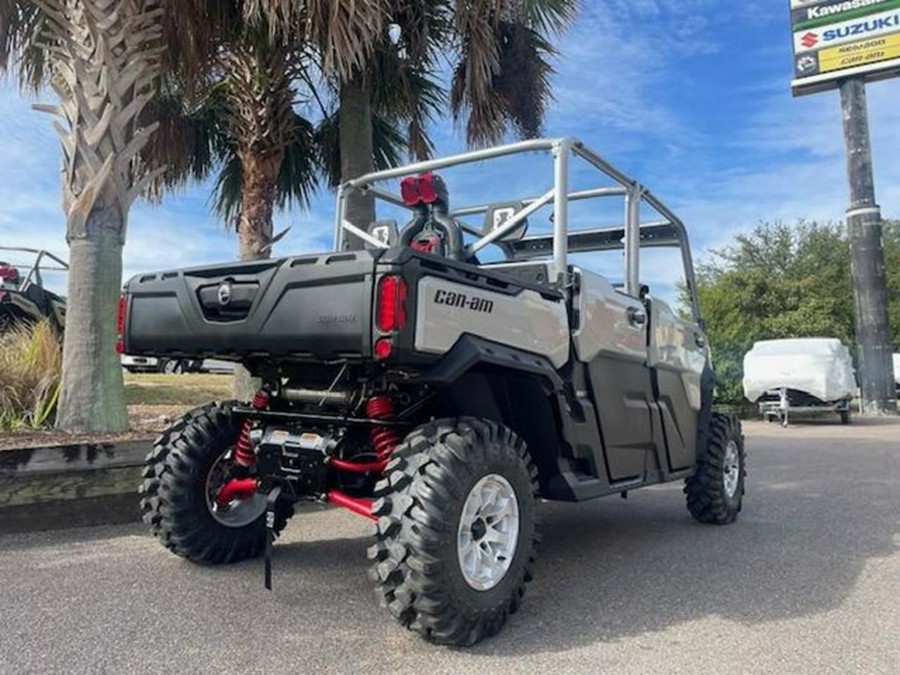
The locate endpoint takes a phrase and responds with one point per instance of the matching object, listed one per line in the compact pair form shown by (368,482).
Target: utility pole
(873,336)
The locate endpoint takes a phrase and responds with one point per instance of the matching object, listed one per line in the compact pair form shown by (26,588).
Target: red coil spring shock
(384,439)
(243,450)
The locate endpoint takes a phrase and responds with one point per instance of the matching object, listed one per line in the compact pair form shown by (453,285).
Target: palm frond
(549,17)
(344,32)
(225,199)
(298,175)
(523,81)
(23,43)
(190,140)
(407,92)
(193,32)
(425,26)
(503,73)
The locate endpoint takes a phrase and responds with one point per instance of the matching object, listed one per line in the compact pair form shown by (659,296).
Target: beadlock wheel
(488,532)
(731,469)
(455,536)
(237,512)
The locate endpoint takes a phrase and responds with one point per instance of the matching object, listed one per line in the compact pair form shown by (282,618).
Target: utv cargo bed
(305,307)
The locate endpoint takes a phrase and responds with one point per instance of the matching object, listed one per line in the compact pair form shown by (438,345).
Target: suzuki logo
(809,40)
(224,293)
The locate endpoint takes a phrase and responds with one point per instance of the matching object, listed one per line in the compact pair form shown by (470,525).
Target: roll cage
(665,231)
(34,275)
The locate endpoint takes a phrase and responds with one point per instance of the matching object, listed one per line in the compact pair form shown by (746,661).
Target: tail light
(426,188)
(120,325)
(390,311)
(409,189)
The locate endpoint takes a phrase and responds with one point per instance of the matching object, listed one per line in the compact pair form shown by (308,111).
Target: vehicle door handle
(637,317)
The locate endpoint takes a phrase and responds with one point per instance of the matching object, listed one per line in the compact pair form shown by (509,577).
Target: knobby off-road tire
(416,558)
(716,490)
(174,500)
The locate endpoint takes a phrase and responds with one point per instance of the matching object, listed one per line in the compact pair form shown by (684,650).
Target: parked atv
(23,297)
(436,395)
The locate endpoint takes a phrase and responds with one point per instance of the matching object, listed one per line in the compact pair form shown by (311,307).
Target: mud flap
(271,505)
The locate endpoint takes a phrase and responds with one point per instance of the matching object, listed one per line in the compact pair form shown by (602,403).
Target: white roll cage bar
(668,231)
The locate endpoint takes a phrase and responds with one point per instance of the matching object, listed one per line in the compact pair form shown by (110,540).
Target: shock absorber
(243,450)
(384,439)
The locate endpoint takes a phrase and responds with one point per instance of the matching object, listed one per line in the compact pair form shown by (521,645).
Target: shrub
(30,373)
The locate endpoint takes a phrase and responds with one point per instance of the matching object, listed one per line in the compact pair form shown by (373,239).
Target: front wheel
(184,471)
(716,490)
(456,530)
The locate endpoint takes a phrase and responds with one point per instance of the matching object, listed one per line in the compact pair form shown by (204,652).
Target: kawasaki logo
(839,8)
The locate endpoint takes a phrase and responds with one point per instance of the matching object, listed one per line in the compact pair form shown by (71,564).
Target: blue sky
(692,97)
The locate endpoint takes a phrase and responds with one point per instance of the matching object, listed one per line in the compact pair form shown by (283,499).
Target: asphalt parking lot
(807,581)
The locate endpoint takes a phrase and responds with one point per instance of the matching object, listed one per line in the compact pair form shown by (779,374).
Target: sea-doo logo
(463,300)
(809,40)
(224,293)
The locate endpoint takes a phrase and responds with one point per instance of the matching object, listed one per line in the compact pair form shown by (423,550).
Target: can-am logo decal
(464,301)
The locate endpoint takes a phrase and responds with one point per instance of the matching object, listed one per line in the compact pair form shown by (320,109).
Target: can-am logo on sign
(809,40)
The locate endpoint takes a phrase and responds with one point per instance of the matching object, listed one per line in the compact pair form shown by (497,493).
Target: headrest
(384,231)
(497,215)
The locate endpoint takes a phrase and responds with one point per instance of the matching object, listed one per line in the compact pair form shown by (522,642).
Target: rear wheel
(171,366)
(716,490)
(184,472)
(456,530)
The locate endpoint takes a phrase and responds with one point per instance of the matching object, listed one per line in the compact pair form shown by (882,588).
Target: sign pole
(867,257)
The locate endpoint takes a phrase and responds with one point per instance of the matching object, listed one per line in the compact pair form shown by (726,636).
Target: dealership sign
(834,39)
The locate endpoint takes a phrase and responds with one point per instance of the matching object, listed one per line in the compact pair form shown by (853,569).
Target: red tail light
(390,311)
(409,189)
(120,325)
(427,191)
(426,188)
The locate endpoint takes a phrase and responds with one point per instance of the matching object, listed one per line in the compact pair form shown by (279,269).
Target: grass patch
(188,389)
(30,374)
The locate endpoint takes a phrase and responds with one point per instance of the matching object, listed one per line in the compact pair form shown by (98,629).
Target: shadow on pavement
(818,508)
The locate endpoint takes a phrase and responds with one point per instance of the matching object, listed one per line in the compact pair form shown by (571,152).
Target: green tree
(499,52)
(782,282)
(102,59)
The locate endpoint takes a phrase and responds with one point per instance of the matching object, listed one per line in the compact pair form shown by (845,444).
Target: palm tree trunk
(92,397)
(104,57)
(357,154)
(255,229)
(258,192)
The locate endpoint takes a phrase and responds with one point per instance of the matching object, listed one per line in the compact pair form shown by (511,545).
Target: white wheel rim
(488,532)
(237,512)
(731,468)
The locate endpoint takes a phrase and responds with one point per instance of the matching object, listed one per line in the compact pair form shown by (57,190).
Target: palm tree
(500,53)
(101,58)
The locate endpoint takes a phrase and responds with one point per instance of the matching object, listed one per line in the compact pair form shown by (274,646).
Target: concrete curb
(70,485)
